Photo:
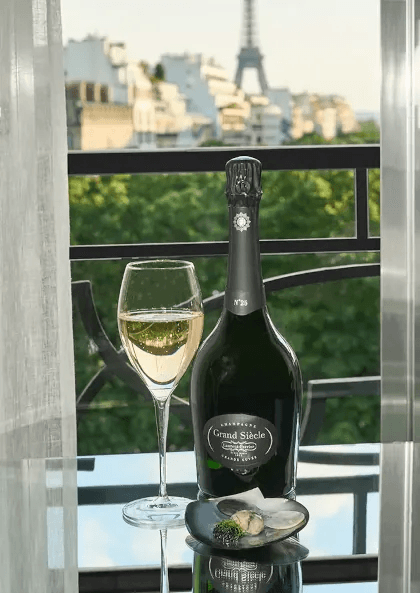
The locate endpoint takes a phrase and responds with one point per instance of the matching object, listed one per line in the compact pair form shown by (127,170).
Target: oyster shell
(251,522)
(283,519)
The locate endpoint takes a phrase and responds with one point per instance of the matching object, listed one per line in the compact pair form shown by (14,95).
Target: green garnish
(228,532)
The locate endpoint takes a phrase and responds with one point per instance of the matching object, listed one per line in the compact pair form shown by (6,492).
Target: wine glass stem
(162,417)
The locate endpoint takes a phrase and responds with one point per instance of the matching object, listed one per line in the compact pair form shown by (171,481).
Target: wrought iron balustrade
(116,362)
(351,157)
(359,158)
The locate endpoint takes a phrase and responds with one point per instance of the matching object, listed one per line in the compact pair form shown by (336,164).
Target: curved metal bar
(346,386)
(92,389)
(312,418)
(319,390)
(179,407)
(116,362)
(304,278)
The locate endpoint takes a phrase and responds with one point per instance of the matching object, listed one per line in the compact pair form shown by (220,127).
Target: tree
(159,73)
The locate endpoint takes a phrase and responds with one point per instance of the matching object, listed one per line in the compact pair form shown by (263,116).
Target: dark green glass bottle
(246,385)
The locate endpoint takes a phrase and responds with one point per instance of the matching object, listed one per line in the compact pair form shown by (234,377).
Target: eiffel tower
(250,55)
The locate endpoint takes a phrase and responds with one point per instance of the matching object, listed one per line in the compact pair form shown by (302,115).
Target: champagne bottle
(246,385)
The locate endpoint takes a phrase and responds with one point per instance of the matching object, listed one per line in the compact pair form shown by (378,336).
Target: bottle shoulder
(252,337)
(282,341)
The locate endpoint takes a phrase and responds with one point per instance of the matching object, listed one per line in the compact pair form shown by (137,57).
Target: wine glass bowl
(160,320)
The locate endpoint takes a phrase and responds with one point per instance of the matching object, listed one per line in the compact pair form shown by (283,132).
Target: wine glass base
(156,512)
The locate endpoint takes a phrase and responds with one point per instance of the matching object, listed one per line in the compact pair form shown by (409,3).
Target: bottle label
(244,289)
(241,221)
(239,441)
(238,576)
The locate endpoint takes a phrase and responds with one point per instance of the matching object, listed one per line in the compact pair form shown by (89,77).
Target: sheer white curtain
(38,500)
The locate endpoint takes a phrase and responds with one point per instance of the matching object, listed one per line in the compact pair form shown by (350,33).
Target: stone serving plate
(283,518)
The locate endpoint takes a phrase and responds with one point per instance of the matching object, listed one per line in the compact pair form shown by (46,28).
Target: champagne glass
(160,319)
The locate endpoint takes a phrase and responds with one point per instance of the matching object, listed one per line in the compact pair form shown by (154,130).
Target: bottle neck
(244,290)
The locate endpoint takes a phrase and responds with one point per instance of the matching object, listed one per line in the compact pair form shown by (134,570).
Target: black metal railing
(116,361)
(204,160)
(359,158)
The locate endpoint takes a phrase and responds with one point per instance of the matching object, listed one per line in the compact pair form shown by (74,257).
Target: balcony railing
(349,157)
(359,158)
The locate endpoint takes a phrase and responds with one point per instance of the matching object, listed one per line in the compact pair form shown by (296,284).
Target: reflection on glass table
(342,533)
(164,572)
(275,568)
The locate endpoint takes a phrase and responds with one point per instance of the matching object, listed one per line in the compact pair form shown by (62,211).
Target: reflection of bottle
(246,384)
(229,575)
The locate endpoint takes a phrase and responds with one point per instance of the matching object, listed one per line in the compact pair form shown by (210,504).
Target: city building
(116,110)
(325,115)
(347,121)
(174,126)
(141,99)
(237,119)
(282,97)
(111,89)
(98,61)
(195,103)
(265,123)
(93,123)
(234,121)
(209,91)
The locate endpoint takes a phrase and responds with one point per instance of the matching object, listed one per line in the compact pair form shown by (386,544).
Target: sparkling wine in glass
(160,319)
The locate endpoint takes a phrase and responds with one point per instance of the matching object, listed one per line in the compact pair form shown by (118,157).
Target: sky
(319,46)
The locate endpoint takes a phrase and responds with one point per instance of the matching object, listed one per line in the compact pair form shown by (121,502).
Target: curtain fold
(38,489)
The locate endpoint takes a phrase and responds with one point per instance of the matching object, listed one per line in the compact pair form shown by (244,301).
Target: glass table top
(338,484)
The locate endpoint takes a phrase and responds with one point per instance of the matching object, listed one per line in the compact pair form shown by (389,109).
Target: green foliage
(309,139)
(129,426)
(213,142)
(352,420)
(159,72)
(334,328)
